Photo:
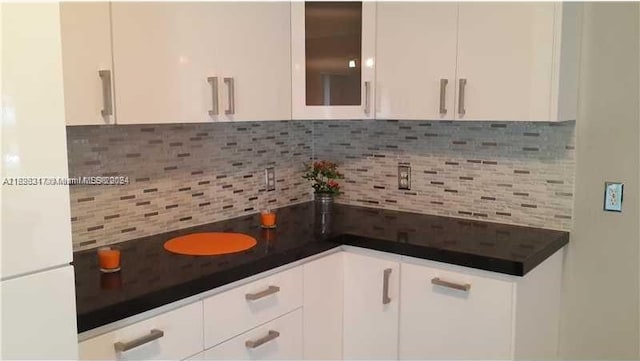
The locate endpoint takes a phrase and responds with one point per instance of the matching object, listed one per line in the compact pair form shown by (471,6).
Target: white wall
(601,300)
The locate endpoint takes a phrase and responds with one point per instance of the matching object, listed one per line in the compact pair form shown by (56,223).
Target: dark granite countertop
(152,277)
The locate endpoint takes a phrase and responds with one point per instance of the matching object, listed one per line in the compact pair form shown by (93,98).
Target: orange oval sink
(210,243)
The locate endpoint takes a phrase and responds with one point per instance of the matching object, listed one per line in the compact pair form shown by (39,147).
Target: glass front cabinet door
(333,60)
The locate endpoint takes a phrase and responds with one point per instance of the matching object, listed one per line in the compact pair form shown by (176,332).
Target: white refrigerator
(37,293)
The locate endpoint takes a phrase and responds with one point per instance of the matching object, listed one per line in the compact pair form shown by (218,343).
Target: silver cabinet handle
(232,100)
(126,346)
(213,80)
(385,287)
(456,286)
(272,335)
(461,110)
(367,96)
(107,101)
(258,295)
(443,95)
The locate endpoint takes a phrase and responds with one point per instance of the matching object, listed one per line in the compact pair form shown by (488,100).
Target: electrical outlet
(613,196)
(404,176)
(270,179)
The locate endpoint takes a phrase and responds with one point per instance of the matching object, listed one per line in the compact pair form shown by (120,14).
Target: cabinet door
(371,300)
(164,53)
(333,60)
(87,64)
(254,52)
(416,60)
(505,55)
(323,304)
(439,322)
(280,339)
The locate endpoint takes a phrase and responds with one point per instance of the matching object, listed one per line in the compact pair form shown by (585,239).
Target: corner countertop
(152,277)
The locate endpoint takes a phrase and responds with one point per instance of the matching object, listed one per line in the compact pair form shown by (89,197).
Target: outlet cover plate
(613,195)
(270,178)
(404,176)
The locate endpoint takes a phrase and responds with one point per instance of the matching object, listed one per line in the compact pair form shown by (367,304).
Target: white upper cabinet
(163,53)
(87,62)
(477,61)
(516,60)
(175,62)
(255,54)
(201,62)
(333,60)
(416,60)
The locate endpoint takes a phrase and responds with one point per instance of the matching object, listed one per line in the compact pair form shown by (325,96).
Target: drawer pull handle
(272,335)
(385,287)
(126,346)
(258,295)
(456,286)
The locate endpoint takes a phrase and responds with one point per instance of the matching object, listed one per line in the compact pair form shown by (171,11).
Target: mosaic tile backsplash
(190,174)
(181,175)
(508,172)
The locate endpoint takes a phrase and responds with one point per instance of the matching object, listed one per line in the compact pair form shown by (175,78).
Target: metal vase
(323,210)
(324,202)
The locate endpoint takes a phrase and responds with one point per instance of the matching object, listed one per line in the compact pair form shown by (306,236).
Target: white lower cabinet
(453,312)
(453,315)
(173,335)
(371,305)
(280,339)
(240,309)
(357,304)
(323,307)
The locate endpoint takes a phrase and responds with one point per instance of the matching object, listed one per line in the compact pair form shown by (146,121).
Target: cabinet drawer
(230,313)
(280,339)
(439,319)
(170,336)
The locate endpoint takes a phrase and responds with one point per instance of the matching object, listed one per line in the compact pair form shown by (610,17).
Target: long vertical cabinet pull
(443,96)
(232,100)
(461,110)
(213,80)
(385,287)
(367,97)
(107,101)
